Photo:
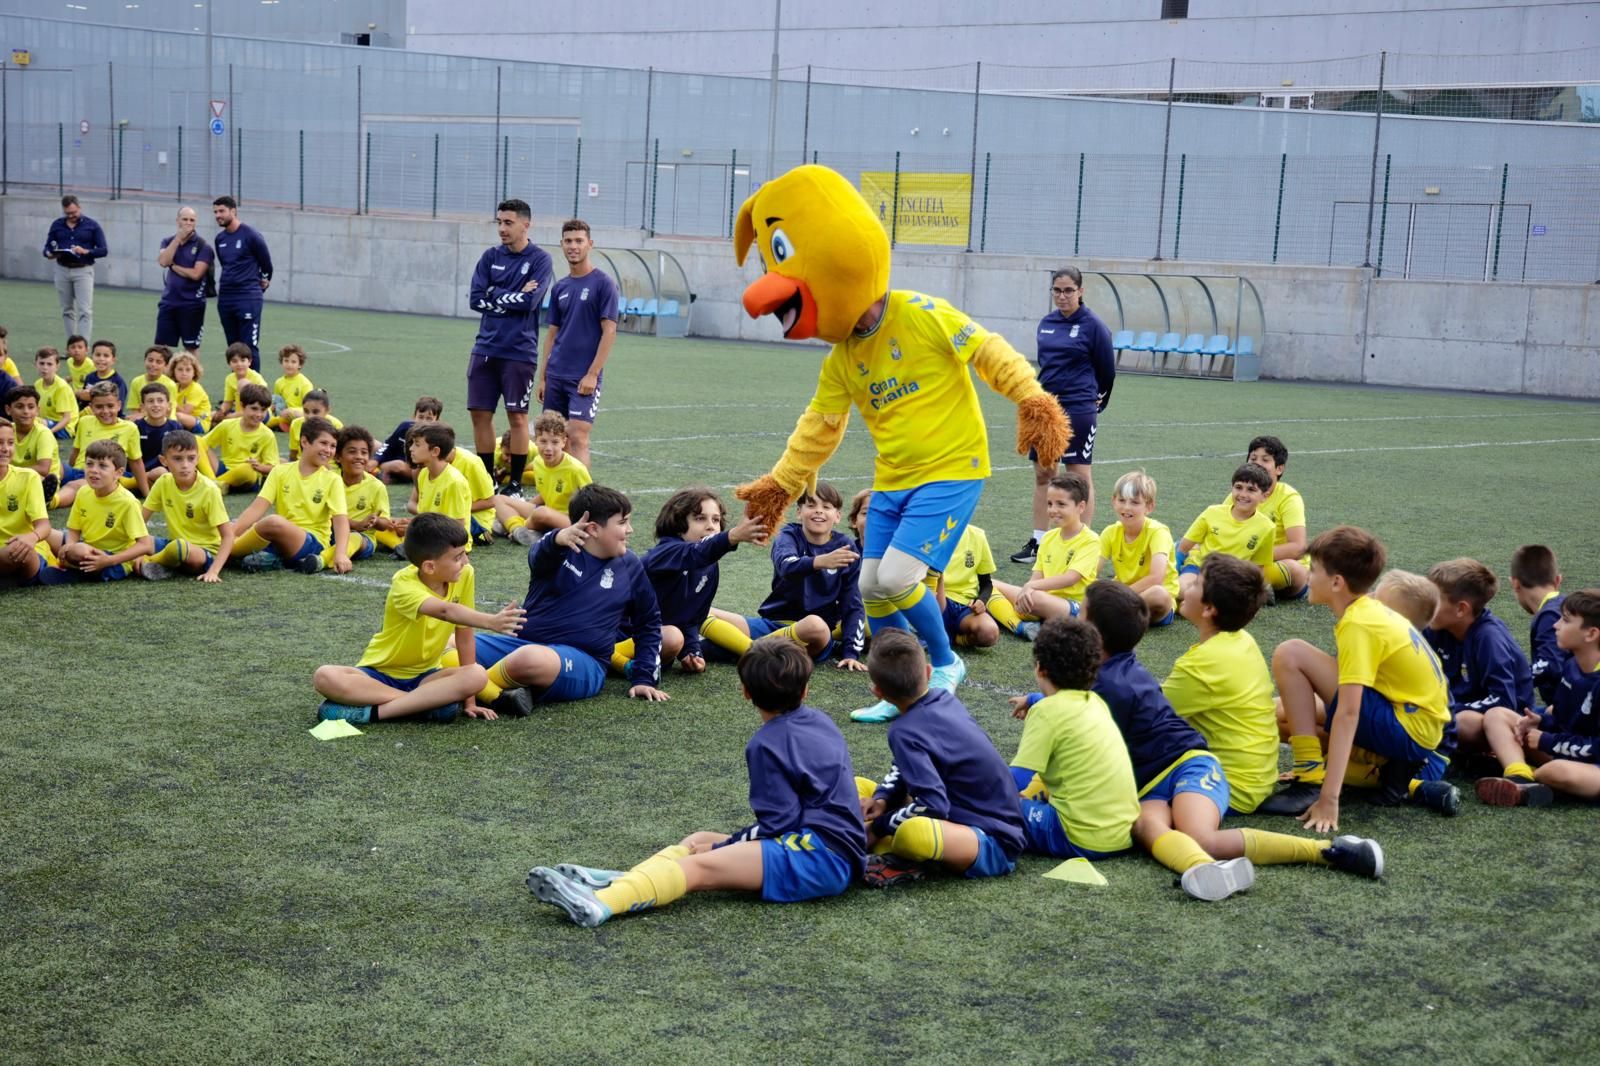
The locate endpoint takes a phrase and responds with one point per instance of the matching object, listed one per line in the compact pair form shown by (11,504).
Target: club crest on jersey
(316,497)
(111,522)
(894,348)
(970,559)
(11,503)
(524,270)
(1074,331)
(584,295)
(607,579)
(1251,544)
(188,510)
(561,486)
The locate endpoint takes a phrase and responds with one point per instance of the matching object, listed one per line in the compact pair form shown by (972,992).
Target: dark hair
(825,493)
(107,450)
(1068,652)
(165,352)
(775,673)
(180,440)
(599,502)
(429,405)
(313,428)
(435,435)
(1583,605)
(318,395)
(153,388)
(47,350)
(549,422)
(68,200)
(1118,612)
(225,201)
(1534,564)
(105,388)
(575,225)
(77,338)
(1068,272)
(430,535)
(519,208)
(673,521)
(23,392)
(109,346)
(897,665)
(1351,553)
(350,434)
(1465,580)
(292,349)
(1234,588)
(1272,446)
(1251,474)
(235,351)
(253,395)
(1073,484)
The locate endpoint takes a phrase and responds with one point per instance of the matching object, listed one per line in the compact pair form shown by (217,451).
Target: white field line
(334,347)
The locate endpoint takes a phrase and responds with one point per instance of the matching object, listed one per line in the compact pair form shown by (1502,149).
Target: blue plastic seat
(1192,344)
(1123,338)
(649,308)
(635,306)
(1217,345)
(1145,343)
(1246,346)
(1168,343)
(622,305)
(669,309)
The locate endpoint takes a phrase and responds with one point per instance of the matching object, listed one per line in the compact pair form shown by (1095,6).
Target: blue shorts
(1189,568)
(161,546)
(56,575)
(1379,731)
(953,614)
(1200,773)
(183,326)
(992,860)
(368,546)
(925,522)
(312,545)
(490,379)
(1167,621)
(798,866)
(1047,836)
(562,397)
(1085,420)
(403,684)
(582,675)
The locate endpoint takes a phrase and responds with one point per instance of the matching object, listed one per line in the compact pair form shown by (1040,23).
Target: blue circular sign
(217,127)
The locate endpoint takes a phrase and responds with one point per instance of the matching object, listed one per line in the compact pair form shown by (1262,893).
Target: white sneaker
(1211,881)
(524,536)
(948,677)
(154,572)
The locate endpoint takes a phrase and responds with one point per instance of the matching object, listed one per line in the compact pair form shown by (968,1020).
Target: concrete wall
(1322,323)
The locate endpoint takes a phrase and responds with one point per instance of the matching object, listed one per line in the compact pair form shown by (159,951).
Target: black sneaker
(1294,799)
(510,490)
(513,703)
(1513,792)
(1440,796)
(1355,855)
(886,871)
(1394,782)
(51,484)
(1029,552)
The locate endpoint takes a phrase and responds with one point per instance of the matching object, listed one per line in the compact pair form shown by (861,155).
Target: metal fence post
(733,179)
(577,175)
(5,126)
(496,169)
(122,136)
(1077,222)
(655,182)
(1383,222)
(644,190)
(983,232)
(1372,182)
(805,128)
(1166,145)
(180,164)
(111,126)
(1500,218)
(505,169)
(238,148)
(358,137)
(367,193)
(302,170)
(1177,230)
(435,175)
(972,164)
(894,210)
(61,159)
(1277,218)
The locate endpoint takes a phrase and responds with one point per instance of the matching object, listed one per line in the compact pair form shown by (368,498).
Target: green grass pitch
(188,876)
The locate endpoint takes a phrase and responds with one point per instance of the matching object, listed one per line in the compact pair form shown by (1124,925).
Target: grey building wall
(324,21)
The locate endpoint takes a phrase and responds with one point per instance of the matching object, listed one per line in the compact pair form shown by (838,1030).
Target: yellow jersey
(447,494)
(77,373)
(1224,688)
(57,402)
(1080,552)
(238,445)
(230,387)
(110,522)
(22,502)
(292,389)
(1285,506)
(192,514)
(971,560)
(10,367)
(136,388)
(298,424)
(556,484)
(1071,741)
(193,395)
(410,642)
(480,483)
(910,380)
(308,500)
(91,429)
(366,498)
(1381,650)
(1217,530)
(37,445)
(1130,559)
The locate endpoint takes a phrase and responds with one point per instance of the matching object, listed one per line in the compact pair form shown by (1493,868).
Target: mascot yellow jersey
(910,380)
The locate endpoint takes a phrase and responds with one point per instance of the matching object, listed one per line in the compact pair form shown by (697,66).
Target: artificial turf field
(188,876)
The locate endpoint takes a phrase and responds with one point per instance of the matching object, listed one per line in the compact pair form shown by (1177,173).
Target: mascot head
(826,255)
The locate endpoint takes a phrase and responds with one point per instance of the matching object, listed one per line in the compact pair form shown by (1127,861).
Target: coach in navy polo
(181,314)
(75,241)
(246,272)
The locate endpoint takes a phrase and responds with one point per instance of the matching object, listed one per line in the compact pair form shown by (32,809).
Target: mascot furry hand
(898,356)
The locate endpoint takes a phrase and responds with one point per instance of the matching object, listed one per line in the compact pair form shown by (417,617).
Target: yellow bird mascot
(900,358)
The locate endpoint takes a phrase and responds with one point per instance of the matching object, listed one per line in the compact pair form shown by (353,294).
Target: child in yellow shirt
(1069,558)
(1139,548)
(105,531)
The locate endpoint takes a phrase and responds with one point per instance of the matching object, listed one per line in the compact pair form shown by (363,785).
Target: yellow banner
(933,208)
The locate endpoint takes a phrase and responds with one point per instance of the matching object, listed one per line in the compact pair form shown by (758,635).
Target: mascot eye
(782,247)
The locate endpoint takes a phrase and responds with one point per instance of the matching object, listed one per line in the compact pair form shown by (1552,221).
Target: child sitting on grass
(807,841)
(314,404)
(191,406)
(394,457)
(1235,527)
(237,356)
(246,449)
(104,423)
(1140,548)
(311,527)
(554,475)
(1069,558)
(105,531)
(371,526)
(24,522)
(291,389)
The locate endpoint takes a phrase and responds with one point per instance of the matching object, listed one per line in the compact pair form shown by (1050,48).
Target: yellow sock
(1519,771)
(865,787)
(1411,789)
(787,633)
(673,852)
(932,581)
(655,882)
(621,654)
(1036,790)
(1268,849)
(249,543)
(1003,613)
(499,679)
(910,597)
(1178,851)
(1310,767)
(919,839)
(725,635)
(514,523)
(1277,575)
(386,538)
(173,555)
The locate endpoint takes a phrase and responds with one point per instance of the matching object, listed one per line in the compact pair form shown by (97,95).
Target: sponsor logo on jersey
(964,334)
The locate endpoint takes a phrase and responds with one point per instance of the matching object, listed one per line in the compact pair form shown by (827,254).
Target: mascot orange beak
(789,299)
